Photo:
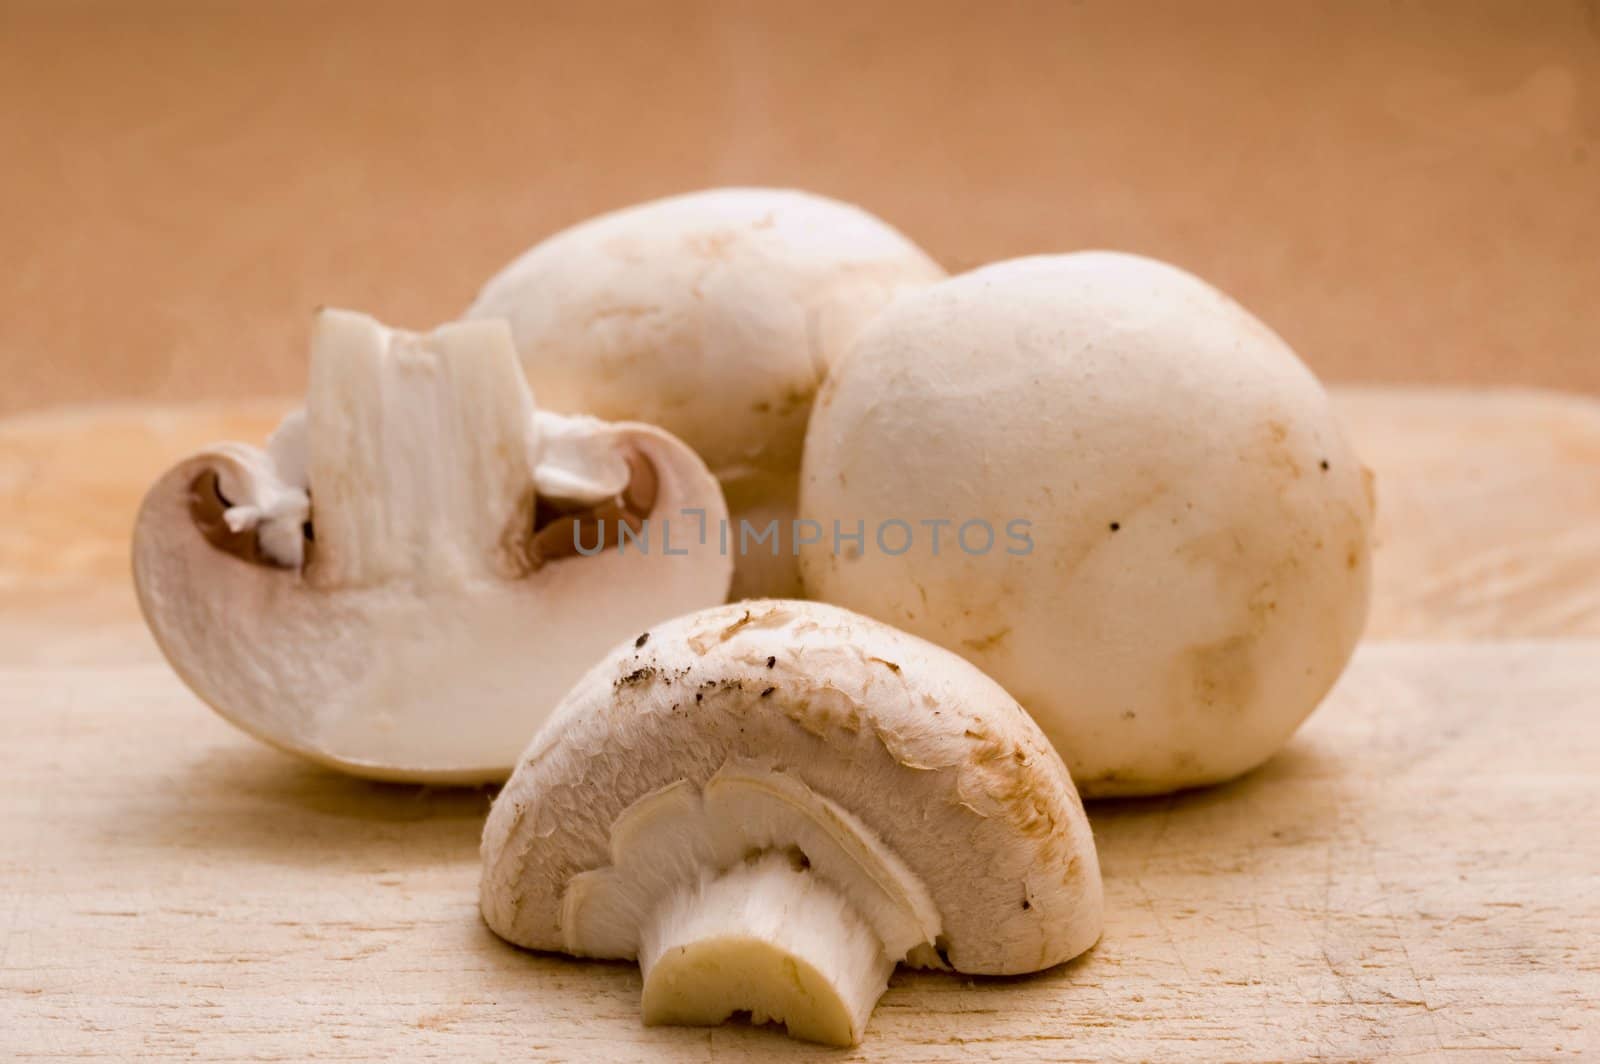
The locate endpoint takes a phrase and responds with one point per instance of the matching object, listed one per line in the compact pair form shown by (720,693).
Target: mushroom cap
(440,670)
(936,759)
(715,315)
(1192,565)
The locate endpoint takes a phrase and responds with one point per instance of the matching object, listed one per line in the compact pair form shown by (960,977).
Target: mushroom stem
(767,938)
(419,453)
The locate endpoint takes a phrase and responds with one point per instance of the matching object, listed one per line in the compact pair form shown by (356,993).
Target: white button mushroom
(714,315)
(411,575)
(1155,533)
(770,804)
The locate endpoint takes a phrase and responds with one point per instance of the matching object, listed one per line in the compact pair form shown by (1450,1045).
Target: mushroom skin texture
(395,587)
(1194,568)
(772,803)
(715,315)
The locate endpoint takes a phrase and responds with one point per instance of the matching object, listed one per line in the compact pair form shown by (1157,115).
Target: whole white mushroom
(1158,538)
(714,315)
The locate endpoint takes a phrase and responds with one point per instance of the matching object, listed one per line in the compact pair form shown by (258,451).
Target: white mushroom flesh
(668,840)
(768,939)
(420,456)
(392,605)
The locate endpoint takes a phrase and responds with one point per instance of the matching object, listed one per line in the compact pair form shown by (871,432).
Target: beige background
(1408,191)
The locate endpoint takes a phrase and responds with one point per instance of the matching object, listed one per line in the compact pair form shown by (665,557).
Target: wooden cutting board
(1417,874)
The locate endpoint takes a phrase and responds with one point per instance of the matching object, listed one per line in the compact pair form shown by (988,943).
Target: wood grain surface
(1413,877)
(1407,191)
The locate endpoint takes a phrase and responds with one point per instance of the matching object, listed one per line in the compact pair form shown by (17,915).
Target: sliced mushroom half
(771,804)
(408,577)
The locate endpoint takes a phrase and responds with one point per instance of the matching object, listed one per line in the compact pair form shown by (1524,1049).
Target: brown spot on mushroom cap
(988,641)
(1277,452)
(1222,674)
(733,629)
(642,675)
(716,246)
(797,398)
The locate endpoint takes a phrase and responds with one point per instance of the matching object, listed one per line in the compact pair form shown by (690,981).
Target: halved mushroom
(418,566)
(770,804)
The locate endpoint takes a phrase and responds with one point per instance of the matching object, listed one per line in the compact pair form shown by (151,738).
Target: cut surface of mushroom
(768,939)
(660,843)
(715,315)
(771,804)
(385,587)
